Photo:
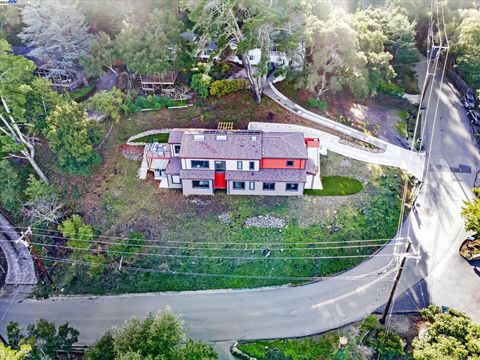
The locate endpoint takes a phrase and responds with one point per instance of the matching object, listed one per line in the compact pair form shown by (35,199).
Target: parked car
(469,100)
(474,116)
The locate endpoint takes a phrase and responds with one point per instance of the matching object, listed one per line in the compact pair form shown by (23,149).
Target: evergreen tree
(72,136)
(58,33)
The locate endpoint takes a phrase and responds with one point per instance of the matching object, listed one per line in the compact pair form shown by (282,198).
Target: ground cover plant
(161,138)
(208,235)
(337,185)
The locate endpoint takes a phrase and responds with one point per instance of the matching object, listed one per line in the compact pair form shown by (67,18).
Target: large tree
(58,33)
(467,46)
(245,25)
(155,338)
(334,59)
(103,52)
(44,338)
(154,47)
(71,137)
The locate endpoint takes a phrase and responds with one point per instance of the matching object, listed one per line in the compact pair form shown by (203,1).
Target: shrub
(82,93)
(10,187)
(153,102)
(107,102)
(200,83)
(317,103)
(221,88)
(390,89)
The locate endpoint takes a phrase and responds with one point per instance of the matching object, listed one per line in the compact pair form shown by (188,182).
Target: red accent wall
(282,164)
(220,182)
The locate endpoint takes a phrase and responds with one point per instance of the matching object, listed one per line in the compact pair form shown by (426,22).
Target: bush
(153,102)
(317,103)
(390,89)
(221,88)
(10,187)
(200,83)
(82,93)
(107,102)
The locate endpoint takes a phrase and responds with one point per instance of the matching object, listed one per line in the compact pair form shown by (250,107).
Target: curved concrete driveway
(410,161)
(224,315)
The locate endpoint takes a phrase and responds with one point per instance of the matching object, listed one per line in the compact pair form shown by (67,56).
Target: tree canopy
(59,50)
(43,337)
(71,137)
(158,337)
(450,335)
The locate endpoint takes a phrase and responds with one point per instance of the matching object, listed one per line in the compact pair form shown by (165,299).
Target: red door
(220,182)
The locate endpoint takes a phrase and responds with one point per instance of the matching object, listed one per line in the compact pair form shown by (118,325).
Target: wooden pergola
(158,84)
(65,82)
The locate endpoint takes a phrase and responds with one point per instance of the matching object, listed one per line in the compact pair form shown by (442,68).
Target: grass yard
(360,343)
(161,138)
(202,242)
(337,186)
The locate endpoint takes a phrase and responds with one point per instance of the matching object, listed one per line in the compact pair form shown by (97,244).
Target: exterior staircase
(142,172)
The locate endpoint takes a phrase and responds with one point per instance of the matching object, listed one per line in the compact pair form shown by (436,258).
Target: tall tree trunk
(257,81)
(35,166)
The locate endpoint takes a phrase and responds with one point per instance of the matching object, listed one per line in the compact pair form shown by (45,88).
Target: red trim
(312,142)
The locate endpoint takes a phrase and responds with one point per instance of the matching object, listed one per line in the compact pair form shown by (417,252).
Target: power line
(219,242)
(246,248)
(218,257)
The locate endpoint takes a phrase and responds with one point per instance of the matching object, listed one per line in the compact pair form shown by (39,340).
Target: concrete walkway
(395,156)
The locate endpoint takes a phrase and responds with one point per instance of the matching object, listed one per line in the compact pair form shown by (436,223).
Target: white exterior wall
(229,164)
(232,165)
(279,189)
(171,184)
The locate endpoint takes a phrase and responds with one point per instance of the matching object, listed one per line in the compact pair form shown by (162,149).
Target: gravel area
(265,221)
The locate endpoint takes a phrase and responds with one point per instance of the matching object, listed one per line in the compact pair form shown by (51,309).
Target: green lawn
(319,347)
(337,186)
(161,138)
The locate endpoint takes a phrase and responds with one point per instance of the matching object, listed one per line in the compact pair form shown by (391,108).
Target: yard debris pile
(265,221)
(225,218)
(131,152)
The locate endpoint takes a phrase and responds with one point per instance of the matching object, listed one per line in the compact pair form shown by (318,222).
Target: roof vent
(222,137)
(198,137)
(253,138)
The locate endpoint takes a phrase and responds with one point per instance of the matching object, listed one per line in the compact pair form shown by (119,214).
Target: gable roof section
(175,136)
(284,145)
(242,145)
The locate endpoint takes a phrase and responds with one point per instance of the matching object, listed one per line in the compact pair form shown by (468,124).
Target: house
(208,48)
(240,162)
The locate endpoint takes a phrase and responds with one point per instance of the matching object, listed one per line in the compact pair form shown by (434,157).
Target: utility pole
(25,239)
(395,283)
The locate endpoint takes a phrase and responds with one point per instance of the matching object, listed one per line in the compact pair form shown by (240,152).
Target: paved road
(226,315)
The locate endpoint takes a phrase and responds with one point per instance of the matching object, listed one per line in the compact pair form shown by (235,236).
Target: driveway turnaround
(392,155)
(435,229)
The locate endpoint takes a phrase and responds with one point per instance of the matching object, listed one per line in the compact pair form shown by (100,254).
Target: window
(290,162)
(239,185)
(291,187)
(201,184)
(269,186)
(239,165)
(251,185)
(251,165)
(175,179)
(220,166)
(251,57)
(200,164)
(176,149)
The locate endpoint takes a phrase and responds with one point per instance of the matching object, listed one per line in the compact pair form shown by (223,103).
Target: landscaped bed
(203,242)
(161,138)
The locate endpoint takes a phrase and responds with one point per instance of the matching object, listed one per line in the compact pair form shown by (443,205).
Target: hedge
(221,88)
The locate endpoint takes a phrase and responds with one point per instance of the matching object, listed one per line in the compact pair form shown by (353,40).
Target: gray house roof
(242,145)
(197,174)
(284,145)
(310,167)
(175,136)
(174,166)
(281,175)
